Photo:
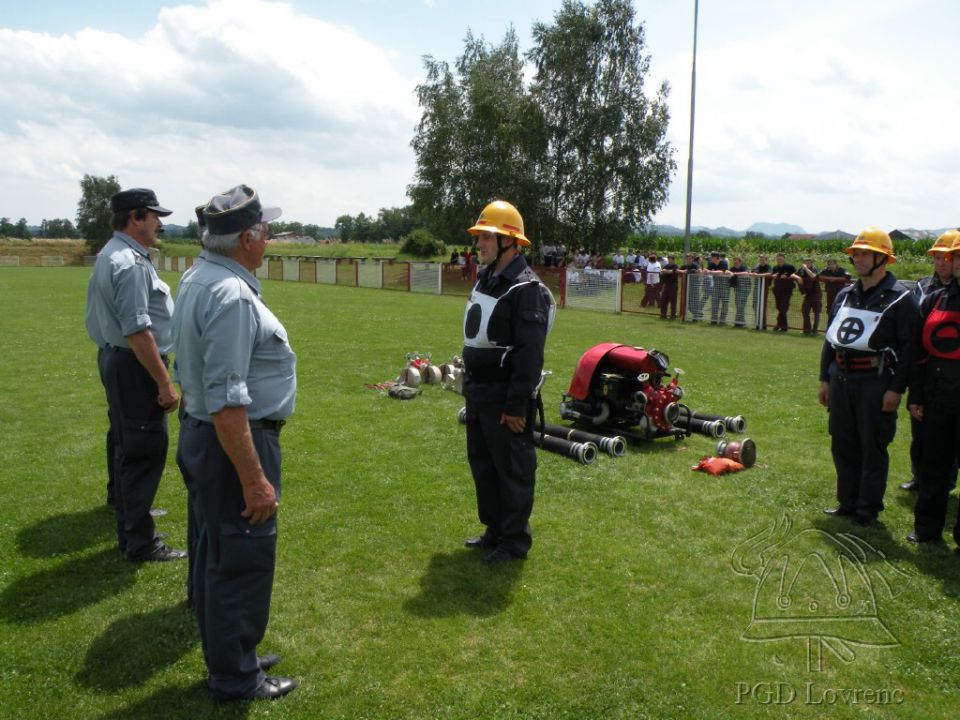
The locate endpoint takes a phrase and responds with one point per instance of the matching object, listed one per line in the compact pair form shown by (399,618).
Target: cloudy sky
(824,113)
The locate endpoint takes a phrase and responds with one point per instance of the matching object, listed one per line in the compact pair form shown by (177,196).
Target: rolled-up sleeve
(227,347)
(131,297)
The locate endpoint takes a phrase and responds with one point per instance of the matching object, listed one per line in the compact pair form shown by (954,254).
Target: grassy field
(632,604)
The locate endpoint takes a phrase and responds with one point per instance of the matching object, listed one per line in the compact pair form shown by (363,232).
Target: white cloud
(213,95)
(823,121)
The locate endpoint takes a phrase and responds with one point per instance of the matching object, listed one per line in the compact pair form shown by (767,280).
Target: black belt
(117,348)
(268,424)
(262,424)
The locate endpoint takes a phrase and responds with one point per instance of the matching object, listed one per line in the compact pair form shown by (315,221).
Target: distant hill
(776,229)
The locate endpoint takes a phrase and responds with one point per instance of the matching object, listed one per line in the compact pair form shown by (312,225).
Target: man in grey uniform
(238,376)
(128,317)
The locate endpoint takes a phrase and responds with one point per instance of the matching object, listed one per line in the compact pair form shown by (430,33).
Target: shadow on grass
(134,648)
(182,703)
(67,533)
(460,583)
(66,588)
(932,559)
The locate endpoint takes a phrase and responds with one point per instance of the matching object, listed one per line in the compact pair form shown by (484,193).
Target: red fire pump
(621,387)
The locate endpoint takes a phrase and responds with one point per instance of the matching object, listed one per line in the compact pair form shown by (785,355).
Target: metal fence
(743,300)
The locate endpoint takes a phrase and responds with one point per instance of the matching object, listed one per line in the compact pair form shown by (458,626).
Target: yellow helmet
(501,217)
(875,239)
(947,242)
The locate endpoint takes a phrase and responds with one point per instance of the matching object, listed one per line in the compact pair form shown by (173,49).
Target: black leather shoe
(273,687)
(161,553)
(914,538)
(864,520)
(501,557)
(480,543)
(268,661)
(838,511)
(912,486)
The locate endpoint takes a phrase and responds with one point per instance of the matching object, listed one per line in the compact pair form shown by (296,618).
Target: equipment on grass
(718,465)
(627,392)
(744,451)
(617,386)
(583,452)
(737,423)
(615,446)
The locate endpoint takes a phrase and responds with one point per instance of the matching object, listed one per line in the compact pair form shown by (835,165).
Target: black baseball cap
(136,198)
(237,210)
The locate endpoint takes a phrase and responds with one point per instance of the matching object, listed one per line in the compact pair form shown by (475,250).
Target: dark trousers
(695,298)
(741,291)
(811,304)
(940,452)
(234,565)
(140,447)
(111,434)
(668,298)
(781,296)
(720,294)
(504,467)
(192,531)
(651,296)
(860,434)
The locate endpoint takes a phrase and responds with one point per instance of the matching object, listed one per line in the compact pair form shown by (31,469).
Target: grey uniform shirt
(126,296)
(231,350)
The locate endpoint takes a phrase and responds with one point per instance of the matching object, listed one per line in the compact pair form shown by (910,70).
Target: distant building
(293,238)
(799,236)
(911,234)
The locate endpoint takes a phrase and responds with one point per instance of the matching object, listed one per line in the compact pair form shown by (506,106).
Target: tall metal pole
(693,102)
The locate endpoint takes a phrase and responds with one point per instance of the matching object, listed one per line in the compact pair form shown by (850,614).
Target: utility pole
(693,99)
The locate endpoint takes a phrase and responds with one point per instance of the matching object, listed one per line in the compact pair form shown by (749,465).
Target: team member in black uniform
(941,277)
(864,366)
(505,327)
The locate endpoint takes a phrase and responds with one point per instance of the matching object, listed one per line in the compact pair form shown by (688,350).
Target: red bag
(718,465)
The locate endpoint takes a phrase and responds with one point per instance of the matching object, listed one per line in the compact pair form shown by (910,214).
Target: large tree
(93,210)
(479,139)
(608,164)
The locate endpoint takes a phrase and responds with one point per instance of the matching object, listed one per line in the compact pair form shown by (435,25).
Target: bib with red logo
(941,333)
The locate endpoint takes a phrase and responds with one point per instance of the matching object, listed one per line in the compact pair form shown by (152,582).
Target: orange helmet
(875,239)
(501,217)
(948,242)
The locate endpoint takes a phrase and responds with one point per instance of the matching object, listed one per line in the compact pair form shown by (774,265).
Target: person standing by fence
(668,288)
(783,286)
(833,278)
(812,303)
(741,290)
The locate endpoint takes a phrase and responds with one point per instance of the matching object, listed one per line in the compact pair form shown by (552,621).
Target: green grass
(628,606)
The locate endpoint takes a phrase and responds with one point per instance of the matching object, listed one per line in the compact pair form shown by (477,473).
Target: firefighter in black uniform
(505,328)
(941,277)
(934,402)
(864,366)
